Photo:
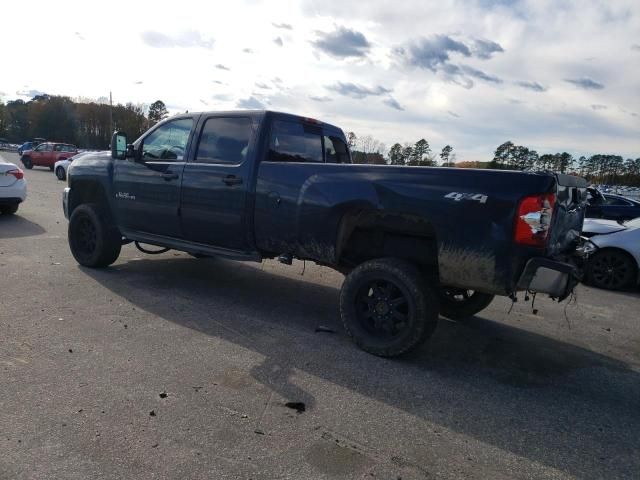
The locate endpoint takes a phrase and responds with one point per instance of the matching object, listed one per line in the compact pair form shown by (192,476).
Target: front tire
(460,304)
(387,307)
(94,241)
(9,209)
(60,174)
(611,269)
(28,164)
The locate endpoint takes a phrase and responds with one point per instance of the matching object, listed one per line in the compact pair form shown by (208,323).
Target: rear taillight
(534,220)
(16,173)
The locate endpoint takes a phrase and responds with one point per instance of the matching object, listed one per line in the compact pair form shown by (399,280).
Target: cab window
(295,142)
(168,141)
(335,150)
(224,140)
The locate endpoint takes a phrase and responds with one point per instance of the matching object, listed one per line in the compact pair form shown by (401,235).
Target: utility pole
(110,114)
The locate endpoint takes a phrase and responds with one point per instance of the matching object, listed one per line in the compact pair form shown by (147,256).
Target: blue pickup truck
(412,242)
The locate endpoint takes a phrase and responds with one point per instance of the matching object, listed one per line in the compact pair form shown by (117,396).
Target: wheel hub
(382,307)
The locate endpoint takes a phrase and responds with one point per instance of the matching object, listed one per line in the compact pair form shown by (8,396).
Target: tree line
(598,168)
(86,124)
(366,149)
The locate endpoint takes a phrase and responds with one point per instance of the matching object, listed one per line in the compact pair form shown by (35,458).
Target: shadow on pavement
(15,226)
(549,401)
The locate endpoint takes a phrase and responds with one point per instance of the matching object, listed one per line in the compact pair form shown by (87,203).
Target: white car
(61,167)
(614,263)
(13,188)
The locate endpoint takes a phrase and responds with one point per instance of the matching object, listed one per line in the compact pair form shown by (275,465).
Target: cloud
(453,114)
(586,83)
(599,107)
(184,39)
(251,103)
(472,72)
(221,96)
(262,85)
(220,66)
(218,82)
(247,50)
(342,43)
(30,93)
(277,80)
(432,53)
(535,86)
(278,41)
(635,47)
(204,102)
(485,49)
(139,82)
(321,99)
(393,103)
(79,35)
(357,91)
(284,26)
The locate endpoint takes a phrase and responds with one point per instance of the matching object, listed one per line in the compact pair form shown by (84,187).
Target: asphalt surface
(168,366)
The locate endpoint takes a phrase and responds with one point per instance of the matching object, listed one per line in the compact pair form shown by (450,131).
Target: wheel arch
(87,191)
(368,233)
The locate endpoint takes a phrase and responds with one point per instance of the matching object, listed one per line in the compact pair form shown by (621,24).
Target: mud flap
(542,275)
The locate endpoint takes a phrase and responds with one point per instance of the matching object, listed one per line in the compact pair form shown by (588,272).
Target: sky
(552,75)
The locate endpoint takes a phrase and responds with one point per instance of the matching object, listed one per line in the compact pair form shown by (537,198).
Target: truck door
(147,188)
(215,183)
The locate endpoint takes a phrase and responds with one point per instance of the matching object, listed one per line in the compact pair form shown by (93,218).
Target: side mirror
(119,146)
(131,151)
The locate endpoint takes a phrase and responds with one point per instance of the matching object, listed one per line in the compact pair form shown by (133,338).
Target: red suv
(47,154)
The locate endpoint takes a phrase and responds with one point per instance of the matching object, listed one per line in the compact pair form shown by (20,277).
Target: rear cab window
(295,142)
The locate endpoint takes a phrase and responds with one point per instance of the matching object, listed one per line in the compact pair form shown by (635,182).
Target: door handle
(232,180)
(170,176)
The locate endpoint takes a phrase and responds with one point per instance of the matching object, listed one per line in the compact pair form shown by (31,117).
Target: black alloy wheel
(611,270)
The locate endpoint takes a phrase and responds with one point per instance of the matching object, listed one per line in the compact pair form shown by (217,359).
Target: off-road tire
(26,161)
(421,301)
(8,209)
(462,309)
(93,239)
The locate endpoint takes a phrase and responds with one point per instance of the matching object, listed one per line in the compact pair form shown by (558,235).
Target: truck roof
(262,113)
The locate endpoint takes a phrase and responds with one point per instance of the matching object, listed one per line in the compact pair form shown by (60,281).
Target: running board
(190,247)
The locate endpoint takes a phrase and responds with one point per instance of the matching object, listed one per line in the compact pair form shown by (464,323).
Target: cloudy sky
(549,74)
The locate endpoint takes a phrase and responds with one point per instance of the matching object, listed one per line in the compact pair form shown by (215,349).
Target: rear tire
(93,239)
(460,304)
(60,173)
(387,307)
(28,164)
(9,209)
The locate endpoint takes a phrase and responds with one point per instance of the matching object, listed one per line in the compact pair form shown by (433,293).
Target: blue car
(29,145)
(611,207)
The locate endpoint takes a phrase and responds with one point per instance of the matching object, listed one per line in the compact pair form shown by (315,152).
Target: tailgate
(566,225)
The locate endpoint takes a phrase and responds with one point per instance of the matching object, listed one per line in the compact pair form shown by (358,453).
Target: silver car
(614,262)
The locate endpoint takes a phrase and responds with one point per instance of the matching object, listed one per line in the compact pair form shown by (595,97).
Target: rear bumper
(15,193)
(65,202)
(543,275)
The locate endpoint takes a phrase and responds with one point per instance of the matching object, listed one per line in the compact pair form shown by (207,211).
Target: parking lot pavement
(168,366)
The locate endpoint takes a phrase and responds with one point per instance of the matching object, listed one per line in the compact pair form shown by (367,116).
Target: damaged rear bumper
(554,277)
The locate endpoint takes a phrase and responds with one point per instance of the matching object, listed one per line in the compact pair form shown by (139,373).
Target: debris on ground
(297,406)
(323,329)
(164,395)
(152,413)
